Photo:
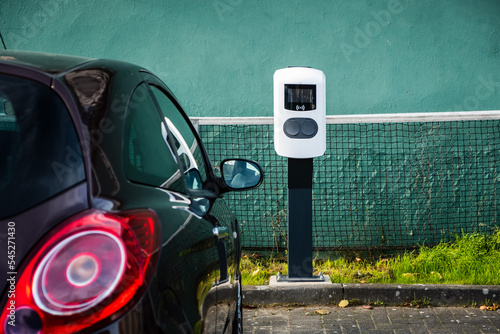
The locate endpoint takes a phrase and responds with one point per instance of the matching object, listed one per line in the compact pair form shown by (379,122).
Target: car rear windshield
(39,151)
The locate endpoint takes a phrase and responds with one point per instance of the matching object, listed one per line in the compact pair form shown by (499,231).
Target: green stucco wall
(219,56)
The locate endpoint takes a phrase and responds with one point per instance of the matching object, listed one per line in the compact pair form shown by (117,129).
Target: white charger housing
(299,112)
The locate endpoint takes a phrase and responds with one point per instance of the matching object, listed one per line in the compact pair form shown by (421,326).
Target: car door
(201,189)
(197,243)
(189,261)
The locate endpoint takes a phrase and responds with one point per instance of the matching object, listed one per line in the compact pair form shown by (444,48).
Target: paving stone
(356,320)
(332,328)
(418,328)
(402,331)
(494,318)
(396,315)
(262,330)
(350,330)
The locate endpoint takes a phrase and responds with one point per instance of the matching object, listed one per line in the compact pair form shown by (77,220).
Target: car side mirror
(241,174)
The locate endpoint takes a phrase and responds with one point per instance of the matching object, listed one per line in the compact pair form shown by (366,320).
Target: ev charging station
(299,135)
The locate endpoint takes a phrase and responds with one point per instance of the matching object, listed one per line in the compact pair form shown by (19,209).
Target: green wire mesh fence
(383,183)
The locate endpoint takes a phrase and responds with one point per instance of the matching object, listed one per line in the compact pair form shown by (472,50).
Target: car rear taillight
(90,269)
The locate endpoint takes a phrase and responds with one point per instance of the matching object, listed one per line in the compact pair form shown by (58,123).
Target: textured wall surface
(219,56)
(377,186)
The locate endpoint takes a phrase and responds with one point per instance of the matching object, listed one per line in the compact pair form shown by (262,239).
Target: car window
(148,157)
(40,155)
(183,139)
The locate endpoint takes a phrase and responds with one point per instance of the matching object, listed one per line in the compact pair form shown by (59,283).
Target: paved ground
(395,320)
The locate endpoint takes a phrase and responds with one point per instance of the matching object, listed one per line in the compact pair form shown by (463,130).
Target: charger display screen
(300,97)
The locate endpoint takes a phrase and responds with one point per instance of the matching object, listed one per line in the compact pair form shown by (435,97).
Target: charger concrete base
(282,280)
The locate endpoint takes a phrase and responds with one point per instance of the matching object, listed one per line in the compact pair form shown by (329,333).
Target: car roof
(46,62)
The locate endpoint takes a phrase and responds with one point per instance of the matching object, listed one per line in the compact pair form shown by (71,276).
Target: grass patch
(469,259)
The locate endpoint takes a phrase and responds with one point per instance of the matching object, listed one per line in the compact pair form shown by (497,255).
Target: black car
(112,218)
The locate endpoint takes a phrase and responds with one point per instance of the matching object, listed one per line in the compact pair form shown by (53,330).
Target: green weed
(470,259)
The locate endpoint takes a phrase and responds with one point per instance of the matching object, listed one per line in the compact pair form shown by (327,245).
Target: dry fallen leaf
(437,274)
(411,275)
(490,308)
(255,272)
(322,312)
(344,303)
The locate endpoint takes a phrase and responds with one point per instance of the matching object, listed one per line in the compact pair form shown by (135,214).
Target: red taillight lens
(90,269)
(79,272)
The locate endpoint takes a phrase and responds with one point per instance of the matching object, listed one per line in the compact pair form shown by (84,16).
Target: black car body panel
(195,286)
